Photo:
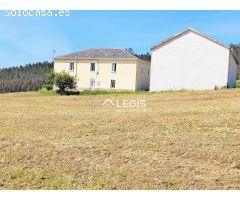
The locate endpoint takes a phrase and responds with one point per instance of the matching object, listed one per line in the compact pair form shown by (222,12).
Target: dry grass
(187,140)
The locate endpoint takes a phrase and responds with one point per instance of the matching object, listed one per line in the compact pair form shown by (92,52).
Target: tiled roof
(98,53)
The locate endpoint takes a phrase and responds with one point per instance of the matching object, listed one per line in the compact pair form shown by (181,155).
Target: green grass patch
(97,92)
(44,91)
(108,92)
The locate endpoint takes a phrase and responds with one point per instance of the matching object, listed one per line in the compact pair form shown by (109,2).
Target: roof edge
(66,55)
(90,58)
(134,58)
(183,32)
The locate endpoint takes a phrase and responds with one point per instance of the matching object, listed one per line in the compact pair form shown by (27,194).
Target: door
(92,83)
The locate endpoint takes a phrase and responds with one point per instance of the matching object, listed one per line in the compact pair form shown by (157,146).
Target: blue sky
(30,39)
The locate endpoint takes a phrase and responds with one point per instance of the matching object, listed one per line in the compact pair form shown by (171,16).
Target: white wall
(232,74)
(189,62)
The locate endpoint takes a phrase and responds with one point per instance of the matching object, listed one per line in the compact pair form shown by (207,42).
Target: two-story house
(105,69)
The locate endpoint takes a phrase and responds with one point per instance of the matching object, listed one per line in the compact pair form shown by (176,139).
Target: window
(113,84)
(71,66)
(142,70)
(114,67)
(92,67)
(148,71)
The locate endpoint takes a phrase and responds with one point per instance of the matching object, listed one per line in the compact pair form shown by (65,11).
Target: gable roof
(185,31)
(99,54)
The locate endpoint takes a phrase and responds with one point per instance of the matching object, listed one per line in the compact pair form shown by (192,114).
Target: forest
(30,77)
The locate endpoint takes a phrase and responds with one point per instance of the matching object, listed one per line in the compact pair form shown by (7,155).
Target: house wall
(143,78)
(189,62)
(232,74)
(125,75)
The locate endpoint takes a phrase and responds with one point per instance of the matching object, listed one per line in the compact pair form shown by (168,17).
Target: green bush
(64,81)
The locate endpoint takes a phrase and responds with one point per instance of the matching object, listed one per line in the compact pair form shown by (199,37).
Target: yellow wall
(126,76)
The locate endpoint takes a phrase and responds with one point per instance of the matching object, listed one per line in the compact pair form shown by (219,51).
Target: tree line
(143,56)
(236,51)
(30,77)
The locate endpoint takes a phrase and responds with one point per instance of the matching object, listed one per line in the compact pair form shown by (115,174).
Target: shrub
(64,81)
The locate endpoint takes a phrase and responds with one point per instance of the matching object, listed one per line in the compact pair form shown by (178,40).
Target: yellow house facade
(105,69)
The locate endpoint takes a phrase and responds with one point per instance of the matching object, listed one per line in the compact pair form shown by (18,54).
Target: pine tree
(30,77)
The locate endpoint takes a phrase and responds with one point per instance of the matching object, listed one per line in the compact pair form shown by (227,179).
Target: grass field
(185,140)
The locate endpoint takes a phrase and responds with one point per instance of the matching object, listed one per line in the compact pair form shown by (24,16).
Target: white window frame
(115,67)
(91,66)
(111,83)
(71,70)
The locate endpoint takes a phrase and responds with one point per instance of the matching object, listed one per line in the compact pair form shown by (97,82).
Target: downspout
(97,73)
(98,68)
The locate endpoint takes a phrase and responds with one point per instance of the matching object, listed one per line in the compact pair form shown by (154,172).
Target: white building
(193,61)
